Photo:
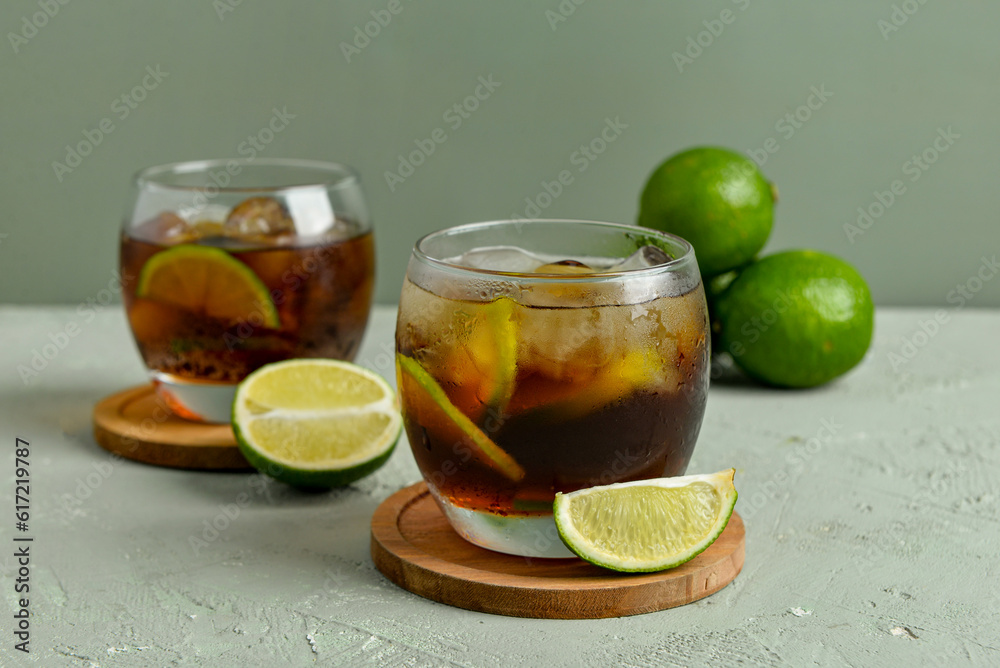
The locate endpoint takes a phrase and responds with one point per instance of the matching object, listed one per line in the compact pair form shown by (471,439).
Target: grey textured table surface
(872,508)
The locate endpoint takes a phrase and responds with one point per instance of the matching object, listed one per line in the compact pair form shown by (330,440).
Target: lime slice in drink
(207,281)
(479,371)
(315,423)
(492,347)
(429,405)
(635,370)
(566,267)
(646,525)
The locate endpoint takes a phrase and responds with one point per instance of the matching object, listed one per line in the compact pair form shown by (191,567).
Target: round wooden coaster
(415,547)
(135,423)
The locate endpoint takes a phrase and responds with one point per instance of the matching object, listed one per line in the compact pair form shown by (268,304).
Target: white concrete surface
(872,508)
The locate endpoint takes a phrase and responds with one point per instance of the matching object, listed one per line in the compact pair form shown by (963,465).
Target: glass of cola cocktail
(228,265)
(536,357)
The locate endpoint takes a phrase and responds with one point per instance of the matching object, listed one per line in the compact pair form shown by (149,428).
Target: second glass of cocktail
(230,265)
(544,356)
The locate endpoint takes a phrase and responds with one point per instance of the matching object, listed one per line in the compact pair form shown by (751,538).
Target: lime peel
(493,350)
(482,445)
(646,525)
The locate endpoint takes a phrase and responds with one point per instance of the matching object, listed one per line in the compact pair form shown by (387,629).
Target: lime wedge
(207,281)
(315,423)
(427,402)
(646,525)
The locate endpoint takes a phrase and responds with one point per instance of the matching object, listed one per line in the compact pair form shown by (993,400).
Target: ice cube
(565,342)
(259,216)
(312,211)
(207,212)
(166,228)
(647,256)
(500,258)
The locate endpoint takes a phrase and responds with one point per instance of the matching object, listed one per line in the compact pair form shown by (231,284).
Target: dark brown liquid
(561,439)
(322,291)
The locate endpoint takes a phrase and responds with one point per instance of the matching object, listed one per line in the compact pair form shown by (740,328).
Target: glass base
(198,401)
(521,535)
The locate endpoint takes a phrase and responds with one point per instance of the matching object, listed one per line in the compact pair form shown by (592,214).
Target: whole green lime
(797,318)
(716,199)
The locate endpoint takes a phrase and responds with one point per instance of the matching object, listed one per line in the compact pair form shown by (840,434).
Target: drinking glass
(545,356)
(228,265)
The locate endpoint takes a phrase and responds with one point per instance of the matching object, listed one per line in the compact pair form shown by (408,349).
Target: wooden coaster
(415,547)
(137,424)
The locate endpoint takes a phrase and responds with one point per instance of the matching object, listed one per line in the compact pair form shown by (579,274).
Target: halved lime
(207,281)
(315,423)
(424,398)
(646,525)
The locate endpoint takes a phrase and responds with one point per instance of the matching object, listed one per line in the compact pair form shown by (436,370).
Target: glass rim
(676,264)
(343,175)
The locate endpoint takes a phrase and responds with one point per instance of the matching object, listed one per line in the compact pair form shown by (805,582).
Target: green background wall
(887,96)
